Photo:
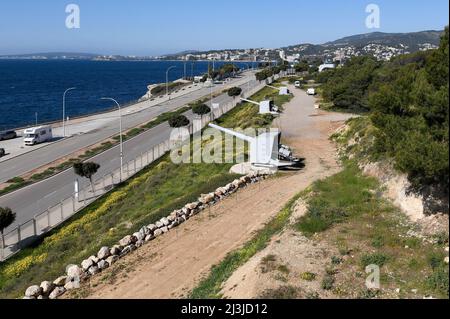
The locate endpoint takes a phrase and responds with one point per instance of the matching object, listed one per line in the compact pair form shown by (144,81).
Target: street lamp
(167,79)
(121,139)
(64,110)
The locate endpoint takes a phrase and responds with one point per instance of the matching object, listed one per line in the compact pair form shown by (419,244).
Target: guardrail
(25,234)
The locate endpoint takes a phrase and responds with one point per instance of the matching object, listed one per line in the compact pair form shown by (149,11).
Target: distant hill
(412,40)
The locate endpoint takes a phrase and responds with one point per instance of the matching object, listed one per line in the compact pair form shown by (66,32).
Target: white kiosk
(265,107)
(283,90)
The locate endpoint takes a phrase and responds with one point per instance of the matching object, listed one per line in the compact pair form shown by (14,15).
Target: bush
(234,91)
(178,121)
(308,276)
(439,280)
(201,109)
(378,259)
(328,282)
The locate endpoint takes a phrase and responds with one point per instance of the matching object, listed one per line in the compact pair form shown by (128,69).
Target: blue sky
(149,27)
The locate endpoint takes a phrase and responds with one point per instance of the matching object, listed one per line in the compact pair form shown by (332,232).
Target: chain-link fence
(28,232)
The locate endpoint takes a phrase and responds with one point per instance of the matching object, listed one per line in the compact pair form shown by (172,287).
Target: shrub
(439,280)
(178,121)
(328,282)
(308,276)
(378,259)
(201,109)
(234,91)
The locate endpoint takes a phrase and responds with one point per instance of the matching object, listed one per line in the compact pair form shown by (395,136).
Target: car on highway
(7,135)
(2,152)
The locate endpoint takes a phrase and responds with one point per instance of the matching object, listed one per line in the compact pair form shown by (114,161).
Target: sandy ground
(172,265)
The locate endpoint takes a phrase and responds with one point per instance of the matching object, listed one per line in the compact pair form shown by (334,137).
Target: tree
(201,109)
(7,217)
(178,121)
(234,91)
(87,170)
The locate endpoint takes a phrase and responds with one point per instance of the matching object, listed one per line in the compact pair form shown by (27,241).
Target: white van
(36,135)
(311,92)
(297,84)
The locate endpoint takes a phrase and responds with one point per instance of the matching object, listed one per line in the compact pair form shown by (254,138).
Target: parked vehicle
(36,135)
(311,92)
(298,84)
(2,152)
(7,135)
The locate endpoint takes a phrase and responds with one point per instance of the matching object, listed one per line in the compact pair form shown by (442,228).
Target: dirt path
(172,265)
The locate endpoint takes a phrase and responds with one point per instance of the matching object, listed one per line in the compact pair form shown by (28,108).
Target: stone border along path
(107,256)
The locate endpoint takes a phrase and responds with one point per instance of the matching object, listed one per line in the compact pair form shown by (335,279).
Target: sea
(31,91)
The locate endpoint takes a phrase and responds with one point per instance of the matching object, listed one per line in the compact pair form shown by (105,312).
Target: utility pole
(64,111)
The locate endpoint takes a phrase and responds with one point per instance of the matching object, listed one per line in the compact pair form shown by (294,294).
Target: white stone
(103,253)
(33,291)
(58,291)
(47,287)
(112,259)
(60,281)
(86,264)
(115,250)
(158,232)
(127,240)
(102,264)
(74,271)
(165,221)
(139,236)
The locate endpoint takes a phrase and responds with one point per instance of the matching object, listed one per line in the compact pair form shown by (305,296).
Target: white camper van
(311,92)
(298,85)
(36,135)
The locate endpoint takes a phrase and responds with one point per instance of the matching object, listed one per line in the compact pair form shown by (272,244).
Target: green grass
(337,198)
(210,287)
(155,192)
(348,211)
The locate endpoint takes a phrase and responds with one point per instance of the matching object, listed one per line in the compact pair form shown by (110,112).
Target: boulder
(208,198)
(152,227)
(144,231)
(158,232)
(171,218)
(139,236)
(60,281)
(112,259)
(58,291)
(72,285)
(115,250)
(103,253)
(94,259)
(139,243)
(165,229)
(102,264)
(165,221)
(86,264)
(125,251)
(127,240)
(192,206)
(149,237)
(73,271)
(42,297)
(159,224)
(47,287)
(33,291)
(93,270)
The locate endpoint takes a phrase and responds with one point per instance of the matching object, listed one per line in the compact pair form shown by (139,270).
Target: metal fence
(27,233)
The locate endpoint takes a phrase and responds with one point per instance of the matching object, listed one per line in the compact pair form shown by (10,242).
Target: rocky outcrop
(107,256)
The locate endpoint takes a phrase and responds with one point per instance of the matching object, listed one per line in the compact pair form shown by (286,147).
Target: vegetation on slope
(408,103)
(346,210)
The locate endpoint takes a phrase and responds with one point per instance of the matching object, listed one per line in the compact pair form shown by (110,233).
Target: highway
(41,156)
(36,198)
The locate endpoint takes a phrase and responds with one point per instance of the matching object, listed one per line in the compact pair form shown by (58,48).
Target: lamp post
(167,79)
(64,110)
(121,139)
